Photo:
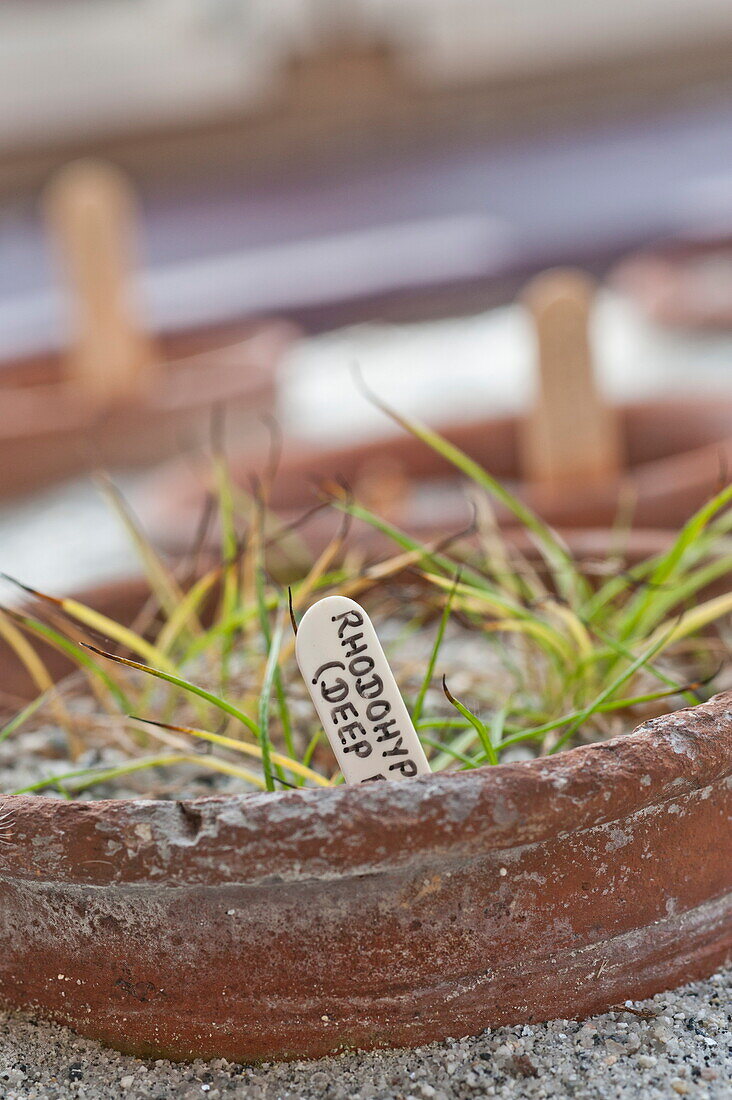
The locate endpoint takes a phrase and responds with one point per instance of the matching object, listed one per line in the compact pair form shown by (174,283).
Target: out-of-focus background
(286,187)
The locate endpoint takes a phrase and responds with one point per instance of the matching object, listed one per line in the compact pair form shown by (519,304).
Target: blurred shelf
(406,235)
(175,86)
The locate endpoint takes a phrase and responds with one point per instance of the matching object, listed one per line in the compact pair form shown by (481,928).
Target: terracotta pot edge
(344,830)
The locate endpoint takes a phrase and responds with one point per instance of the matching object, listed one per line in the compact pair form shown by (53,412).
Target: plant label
(356,695)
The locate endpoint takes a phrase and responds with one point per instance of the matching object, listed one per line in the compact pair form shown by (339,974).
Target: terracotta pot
(677,452)
(681,283)
(303,923)
(50,430)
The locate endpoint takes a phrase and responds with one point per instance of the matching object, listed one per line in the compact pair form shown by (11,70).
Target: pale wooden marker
(570,436)
(356,695)
(90,208)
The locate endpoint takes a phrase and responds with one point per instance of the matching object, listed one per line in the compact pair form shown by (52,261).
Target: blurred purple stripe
(306,239)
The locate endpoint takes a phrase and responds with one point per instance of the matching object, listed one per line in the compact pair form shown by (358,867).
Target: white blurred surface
(79,68)
(62,539)
(481,365)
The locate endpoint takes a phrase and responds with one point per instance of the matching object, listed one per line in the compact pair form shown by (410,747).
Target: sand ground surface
(676,1044)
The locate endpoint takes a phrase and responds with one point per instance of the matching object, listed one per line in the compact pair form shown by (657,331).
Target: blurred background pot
(118,397)
(677,452)
(381,915)
(50,430)
(577,460)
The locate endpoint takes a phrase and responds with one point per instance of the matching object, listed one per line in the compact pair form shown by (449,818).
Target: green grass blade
(102,774)
(91,777)
(77,655)
(450,751)
(480,727)
(185,685)
(270,674)
(556,554)
(627,654)
(312,744)
(429,671)
(669,562)
(22,716)
(611,688)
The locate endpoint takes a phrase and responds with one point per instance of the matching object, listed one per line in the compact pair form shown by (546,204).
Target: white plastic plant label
(356,695)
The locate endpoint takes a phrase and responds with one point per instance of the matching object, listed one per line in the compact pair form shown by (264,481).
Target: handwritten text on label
(356,695)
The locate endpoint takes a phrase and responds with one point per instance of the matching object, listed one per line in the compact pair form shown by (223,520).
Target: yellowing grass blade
(694,620)
(90,777)
(186,685)
(186,610)
(534,629)
(26,653)
(161,581)
(41,678)
(244,747)
(118,633)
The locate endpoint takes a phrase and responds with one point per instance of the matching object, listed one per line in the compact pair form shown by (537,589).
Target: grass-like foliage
(562,652)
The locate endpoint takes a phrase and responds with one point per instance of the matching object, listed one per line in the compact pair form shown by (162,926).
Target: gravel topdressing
(478,671)
(676,1044)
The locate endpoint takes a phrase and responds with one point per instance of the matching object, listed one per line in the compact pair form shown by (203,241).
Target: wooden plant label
(356,695)
(571,436)
(90,207)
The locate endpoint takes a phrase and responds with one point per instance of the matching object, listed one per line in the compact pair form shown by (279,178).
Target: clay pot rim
(289,835)
(680,468)
(167,372)
(671,405)
(223,339)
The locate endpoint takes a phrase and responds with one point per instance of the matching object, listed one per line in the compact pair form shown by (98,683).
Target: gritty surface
(676,1044)
(475,667)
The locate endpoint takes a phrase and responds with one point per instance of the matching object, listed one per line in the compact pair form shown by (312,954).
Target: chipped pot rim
(343,831)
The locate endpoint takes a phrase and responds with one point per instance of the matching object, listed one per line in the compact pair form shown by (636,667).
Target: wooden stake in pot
(90,209)
(570,437)
(356,695)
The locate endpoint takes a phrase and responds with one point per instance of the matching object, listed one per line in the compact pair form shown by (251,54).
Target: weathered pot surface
(50,431)
(675,453)
(306,922)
